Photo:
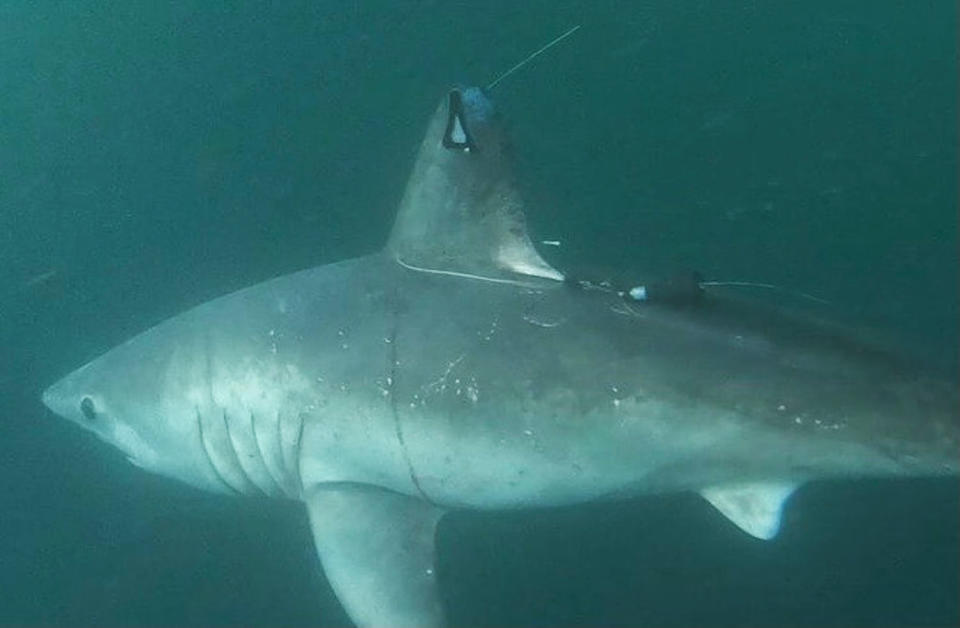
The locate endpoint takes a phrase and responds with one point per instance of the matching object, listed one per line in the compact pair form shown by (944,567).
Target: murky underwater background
(154,155)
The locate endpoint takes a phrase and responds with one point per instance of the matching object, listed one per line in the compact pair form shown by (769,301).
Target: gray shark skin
(456,369)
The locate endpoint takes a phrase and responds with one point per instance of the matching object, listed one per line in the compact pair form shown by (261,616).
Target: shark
(457,369)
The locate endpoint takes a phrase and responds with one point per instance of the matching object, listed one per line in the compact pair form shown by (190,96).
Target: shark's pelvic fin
(461,213)
(757,509)
(377,550)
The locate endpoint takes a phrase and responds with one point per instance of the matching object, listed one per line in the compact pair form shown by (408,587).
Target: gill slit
(206,451)
(397,425)
(236,456)
(290,457)
(298,460)
(287,464)
(256,442)
(210,400)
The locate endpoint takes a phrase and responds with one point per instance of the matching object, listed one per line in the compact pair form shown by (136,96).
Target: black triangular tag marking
(457,133)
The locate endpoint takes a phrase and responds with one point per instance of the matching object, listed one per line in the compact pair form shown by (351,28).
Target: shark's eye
(88,409)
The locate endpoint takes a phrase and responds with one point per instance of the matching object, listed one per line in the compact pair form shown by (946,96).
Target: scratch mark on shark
(440,384)
(299,448)
(397,425)
(236,455)
(206,451)
(540,322)
(277,487)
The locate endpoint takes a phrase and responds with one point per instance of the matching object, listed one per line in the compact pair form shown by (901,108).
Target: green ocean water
(154,156)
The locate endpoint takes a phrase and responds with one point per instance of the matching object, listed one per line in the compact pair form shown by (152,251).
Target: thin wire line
(531,57)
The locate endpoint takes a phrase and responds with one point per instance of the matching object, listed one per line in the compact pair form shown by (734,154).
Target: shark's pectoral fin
(755,508)
(377,550)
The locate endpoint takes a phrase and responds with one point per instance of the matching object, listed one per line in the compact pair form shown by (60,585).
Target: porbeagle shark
(457,369)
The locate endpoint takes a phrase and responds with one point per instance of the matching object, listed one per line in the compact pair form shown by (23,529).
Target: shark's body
(456,369)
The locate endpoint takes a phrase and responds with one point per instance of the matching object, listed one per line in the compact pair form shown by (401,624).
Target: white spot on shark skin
(490,332)
(473,391)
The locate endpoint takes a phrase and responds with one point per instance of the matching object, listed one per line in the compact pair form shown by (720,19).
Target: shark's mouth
(457,134)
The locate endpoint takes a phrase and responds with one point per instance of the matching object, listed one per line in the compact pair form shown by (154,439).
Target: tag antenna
(768,286)
(532,56)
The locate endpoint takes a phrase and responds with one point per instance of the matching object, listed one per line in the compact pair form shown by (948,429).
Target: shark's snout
(53,398)
(65,398)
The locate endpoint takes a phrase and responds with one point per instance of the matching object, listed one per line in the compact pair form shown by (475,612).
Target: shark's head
(119,399)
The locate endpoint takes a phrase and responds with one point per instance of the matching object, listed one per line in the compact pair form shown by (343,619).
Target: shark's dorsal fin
(757,509)
(377,550)
(461,213)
